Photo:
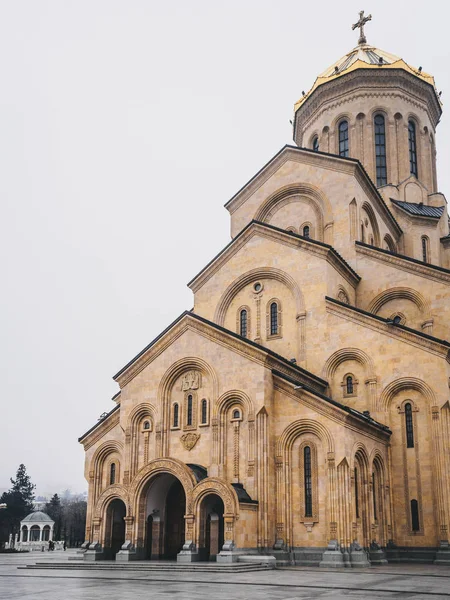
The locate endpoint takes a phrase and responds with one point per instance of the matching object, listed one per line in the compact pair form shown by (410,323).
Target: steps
(151,567)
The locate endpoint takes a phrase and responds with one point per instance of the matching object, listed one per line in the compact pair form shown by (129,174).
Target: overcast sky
(125,127)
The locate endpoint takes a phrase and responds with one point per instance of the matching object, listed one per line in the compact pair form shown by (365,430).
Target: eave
(406,263)
(189,320)
(355,415)
(106,423)
(417,338)
(348,165)
(281,235)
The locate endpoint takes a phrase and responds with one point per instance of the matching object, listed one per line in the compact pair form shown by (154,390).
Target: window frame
(304,516)
(412,149)
(174,425)
(206,422)
(344,138)
(380,150)
(269,334)
(315,144)
(238,321)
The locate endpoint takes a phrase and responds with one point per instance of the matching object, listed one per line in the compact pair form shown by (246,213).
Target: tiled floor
(412,582)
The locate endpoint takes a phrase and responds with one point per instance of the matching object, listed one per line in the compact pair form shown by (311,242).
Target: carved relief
(191,381)
(189,440)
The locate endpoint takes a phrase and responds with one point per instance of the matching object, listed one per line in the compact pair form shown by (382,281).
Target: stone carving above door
(189,440)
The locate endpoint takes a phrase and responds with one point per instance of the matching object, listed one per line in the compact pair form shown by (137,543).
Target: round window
(257,286)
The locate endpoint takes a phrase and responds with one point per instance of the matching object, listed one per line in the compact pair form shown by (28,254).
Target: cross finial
(362,21)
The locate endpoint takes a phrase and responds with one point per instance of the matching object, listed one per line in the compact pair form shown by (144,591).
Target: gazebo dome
(37,517)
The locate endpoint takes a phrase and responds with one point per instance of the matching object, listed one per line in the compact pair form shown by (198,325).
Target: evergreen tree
(55,511)
(19,501)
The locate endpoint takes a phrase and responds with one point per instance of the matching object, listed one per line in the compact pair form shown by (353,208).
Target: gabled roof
(419,210)
(188,316)
(254,227)
(346,164)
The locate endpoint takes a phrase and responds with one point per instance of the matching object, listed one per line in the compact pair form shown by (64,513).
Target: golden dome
(364,57)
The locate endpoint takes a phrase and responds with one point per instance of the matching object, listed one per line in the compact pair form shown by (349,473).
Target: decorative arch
(156,467)
(212,485)
(168,379)
(251,276)
(289,193)
(233,397)
(297,428)
(114,492)
(360,451)
(401,292)
(404,383)
(345,354)
(373,221)
(144,409)
(100,459)
(390,243)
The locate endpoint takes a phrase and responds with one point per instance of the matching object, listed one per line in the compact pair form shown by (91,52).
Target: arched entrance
(165,507)
(115,528)
(211,527)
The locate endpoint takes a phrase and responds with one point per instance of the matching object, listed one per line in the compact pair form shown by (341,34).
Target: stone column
(301,320)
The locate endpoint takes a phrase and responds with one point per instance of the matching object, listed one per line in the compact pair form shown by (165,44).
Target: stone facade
(302,407)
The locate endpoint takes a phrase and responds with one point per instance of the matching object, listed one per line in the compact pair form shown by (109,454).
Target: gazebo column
(50,535)
(41,533)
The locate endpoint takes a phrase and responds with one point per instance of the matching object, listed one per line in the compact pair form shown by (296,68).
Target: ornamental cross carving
(191,381)
(362,21)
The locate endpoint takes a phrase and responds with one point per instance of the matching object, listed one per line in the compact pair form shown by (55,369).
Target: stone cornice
(380,83)
(421,340)
(332,162)
(281,236)
(405,263)
(101,428)
(330,408)
(190,321)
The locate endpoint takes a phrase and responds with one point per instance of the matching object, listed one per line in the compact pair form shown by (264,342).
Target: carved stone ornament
(189,440)
(191,381)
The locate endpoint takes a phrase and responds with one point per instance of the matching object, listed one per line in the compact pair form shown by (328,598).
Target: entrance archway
(175,510)
(211,527)
(115,528)
(165,507)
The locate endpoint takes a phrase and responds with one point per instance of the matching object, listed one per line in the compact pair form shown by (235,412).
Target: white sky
(124,128)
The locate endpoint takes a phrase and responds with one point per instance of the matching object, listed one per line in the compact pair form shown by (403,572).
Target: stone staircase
(151,567)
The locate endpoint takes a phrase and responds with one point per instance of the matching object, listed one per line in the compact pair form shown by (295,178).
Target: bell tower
(373,106)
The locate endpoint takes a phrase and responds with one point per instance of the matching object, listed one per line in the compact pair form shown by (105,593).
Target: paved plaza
(411,581)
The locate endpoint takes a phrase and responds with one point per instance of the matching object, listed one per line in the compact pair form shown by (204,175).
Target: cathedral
(300,411)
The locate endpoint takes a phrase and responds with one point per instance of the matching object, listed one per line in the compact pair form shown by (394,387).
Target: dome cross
(362,21)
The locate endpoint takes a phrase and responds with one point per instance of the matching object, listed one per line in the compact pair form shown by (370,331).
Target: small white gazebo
(36,530)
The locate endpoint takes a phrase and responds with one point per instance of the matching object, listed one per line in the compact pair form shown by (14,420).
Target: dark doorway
(115,528)
(174,529)
(149,537)
(213,523)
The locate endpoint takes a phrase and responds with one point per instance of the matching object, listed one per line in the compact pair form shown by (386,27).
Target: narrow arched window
(362,233)
(273,318)
(112,474)
(380,150)
(236,414)
(306,231)
(374,496)
(425,254)
(356,493)
(343,138)
(315,144)
(307,481)
(412,148)
(409,426)
(415,525)
(349,384)
(243,323)
(189,410)
(175,415)
(204,412)
(147,425)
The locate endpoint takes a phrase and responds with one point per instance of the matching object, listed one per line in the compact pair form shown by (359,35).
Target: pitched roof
(419,210)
